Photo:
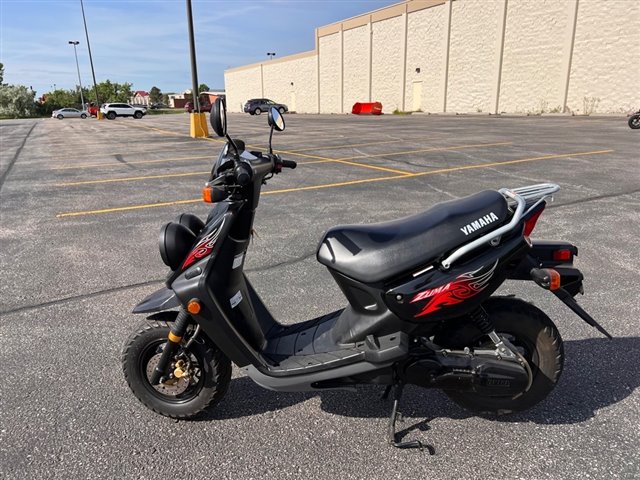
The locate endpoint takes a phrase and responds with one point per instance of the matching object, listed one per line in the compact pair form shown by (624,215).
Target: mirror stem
(270,137)
(233,144)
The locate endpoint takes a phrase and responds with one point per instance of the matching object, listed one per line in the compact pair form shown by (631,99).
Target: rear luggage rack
(518,197)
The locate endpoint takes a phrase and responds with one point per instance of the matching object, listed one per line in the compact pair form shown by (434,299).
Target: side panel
(439,295)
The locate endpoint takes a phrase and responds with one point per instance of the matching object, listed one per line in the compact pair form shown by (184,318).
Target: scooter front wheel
(200,378)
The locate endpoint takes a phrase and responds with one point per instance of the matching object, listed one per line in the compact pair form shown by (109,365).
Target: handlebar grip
(243,174)
(289,164)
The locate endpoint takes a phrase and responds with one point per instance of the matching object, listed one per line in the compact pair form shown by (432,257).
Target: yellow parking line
(135,162)
(432,149)
(128,179)
(125,152)
(333,147)
(373,167)
(352,182)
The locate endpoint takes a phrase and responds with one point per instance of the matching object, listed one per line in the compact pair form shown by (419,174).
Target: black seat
(370,253)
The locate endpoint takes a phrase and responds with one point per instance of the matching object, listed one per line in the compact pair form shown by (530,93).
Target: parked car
(155,106)
(113,110)
(256,106)
(204,107)
(68,113)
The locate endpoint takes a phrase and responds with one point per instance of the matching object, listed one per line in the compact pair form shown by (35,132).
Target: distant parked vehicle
(68,113)
(113,110)
(204,107)
(634,120)
(256,106)
(155,106)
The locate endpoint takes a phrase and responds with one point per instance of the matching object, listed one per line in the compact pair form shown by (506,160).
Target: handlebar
(288,164)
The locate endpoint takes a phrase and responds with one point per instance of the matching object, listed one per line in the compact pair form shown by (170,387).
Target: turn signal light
(554,279)
(194,307)
(207,194)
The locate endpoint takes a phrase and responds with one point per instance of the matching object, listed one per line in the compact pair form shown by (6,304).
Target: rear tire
(531,331)
(185,398)
(634,121)
(257,111)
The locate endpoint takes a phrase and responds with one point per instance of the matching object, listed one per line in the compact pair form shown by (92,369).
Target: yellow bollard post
(199,128)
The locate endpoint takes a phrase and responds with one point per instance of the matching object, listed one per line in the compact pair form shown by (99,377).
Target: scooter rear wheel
(536,338)
(203,379)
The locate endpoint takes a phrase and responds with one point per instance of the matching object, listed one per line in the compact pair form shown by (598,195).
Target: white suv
(113,110)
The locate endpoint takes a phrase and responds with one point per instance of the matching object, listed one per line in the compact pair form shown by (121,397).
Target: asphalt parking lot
(81,203)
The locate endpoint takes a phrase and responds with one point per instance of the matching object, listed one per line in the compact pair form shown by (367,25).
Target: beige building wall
(472,56)
(426,41)
(356,66)
(387,63)
(606,57)
(241,85)
(293,83)
(330,66)
(492,56)
(534,48)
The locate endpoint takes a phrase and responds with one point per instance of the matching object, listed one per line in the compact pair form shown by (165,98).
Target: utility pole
(198,120)
(93,73)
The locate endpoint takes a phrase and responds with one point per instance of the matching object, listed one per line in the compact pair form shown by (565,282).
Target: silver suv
(113,110)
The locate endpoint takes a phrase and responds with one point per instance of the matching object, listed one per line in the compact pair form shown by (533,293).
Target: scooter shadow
(598,373)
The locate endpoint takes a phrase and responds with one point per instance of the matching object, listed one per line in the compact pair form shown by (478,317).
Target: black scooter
(634,120)
(419,310)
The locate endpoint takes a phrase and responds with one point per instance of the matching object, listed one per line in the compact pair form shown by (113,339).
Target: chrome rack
(518,196)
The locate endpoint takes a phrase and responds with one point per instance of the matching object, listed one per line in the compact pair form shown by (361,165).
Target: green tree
(203,88)
(110,92)
(17,101)
(155,95)
(1,73)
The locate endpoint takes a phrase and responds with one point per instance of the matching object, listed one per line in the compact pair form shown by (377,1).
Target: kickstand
(395,415)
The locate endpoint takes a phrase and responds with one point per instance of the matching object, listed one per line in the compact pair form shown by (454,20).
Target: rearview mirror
(218,117)
(275,119)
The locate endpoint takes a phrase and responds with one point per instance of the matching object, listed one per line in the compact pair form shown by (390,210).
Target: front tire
(205,385)
(60,117)
(537,339)
(111,115)
(137,115)
(281,110)
(257,111)
(634,121)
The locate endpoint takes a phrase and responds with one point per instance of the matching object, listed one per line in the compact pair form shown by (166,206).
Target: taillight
(563,255)
(530,223)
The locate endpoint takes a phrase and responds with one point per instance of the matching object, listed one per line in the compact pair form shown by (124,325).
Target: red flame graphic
(462,288)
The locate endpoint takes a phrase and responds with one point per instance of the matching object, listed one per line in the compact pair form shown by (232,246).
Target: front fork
(177,331)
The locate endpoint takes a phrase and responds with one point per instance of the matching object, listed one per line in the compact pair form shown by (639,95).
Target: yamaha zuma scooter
(419,309)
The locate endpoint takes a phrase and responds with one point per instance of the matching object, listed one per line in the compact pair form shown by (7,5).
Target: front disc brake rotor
(174,386)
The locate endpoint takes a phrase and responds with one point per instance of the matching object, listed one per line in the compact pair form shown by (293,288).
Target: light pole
(74,43)
(271,55)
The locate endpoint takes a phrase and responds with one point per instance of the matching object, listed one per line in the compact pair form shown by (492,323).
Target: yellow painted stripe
(130,179)
(433,149)
(372,167)
(342,184)
(334,147)
(127,152)
(135,162)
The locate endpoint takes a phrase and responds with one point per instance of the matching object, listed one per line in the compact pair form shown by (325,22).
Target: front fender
(163,299)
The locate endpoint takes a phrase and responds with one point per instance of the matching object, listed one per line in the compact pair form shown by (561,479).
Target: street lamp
(271,55)
(74,43)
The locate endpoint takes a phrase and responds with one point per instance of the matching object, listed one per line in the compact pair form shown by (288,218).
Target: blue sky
(146,42)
